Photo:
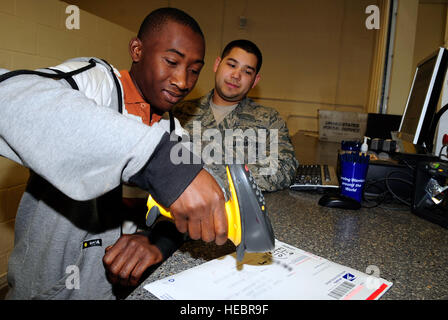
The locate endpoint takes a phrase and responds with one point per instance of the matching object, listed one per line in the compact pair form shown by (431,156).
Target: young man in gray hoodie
(69,237)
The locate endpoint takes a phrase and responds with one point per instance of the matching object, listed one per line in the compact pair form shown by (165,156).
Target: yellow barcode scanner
(249,227)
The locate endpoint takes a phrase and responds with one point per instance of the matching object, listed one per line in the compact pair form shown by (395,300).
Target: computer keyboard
(315,177)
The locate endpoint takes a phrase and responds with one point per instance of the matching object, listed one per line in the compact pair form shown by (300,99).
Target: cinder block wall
(12,185)
(33,35)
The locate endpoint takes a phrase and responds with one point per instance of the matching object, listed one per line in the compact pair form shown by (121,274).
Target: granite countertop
(407,250)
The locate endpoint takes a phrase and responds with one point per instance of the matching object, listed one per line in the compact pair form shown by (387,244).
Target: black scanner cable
(389,194)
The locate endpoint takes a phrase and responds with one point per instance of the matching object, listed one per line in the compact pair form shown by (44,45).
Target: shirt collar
(132,96)
(131,93)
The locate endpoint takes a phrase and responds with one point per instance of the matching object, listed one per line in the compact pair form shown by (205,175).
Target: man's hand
(200,210)
(129,257)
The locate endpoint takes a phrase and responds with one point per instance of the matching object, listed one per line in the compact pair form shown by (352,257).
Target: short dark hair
(157,18)
(247,46)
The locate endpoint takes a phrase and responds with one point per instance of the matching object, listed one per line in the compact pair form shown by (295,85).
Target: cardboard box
(341,125)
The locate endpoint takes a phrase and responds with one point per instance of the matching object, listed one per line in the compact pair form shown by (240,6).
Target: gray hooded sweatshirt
(79,150)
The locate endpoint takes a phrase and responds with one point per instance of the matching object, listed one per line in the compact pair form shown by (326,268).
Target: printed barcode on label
(341,290)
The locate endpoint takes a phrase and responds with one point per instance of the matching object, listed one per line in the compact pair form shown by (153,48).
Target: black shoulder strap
(172,123)
(117,85)
(55,76)
(69,79)
(68,76)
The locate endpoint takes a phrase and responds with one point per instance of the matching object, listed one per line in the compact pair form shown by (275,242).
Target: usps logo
(349,276)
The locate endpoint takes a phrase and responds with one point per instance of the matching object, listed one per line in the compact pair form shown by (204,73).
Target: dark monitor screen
(381,125)
(423,98)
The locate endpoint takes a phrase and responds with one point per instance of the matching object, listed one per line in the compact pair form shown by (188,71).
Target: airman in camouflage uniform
(267,149)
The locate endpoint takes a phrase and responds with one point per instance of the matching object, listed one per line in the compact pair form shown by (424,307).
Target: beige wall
(317,54)
(420,31)
(33,35)
(430,31)
(402,64)
(446,27)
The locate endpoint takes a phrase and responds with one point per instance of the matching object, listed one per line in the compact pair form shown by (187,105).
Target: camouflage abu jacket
(250,134)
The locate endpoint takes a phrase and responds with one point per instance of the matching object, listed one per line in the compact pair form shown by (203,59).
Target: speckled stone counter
(407,250)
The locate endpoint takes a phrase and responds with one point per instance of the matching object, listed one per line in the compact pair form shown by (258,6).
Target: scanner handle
(231,207)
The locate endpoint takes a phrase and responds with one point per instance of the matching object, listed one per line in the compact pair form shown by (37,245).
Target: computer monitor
(423,99)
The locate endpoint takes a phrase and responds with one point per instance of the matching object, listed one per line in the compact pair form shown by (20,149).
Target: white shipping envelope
(287,273)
